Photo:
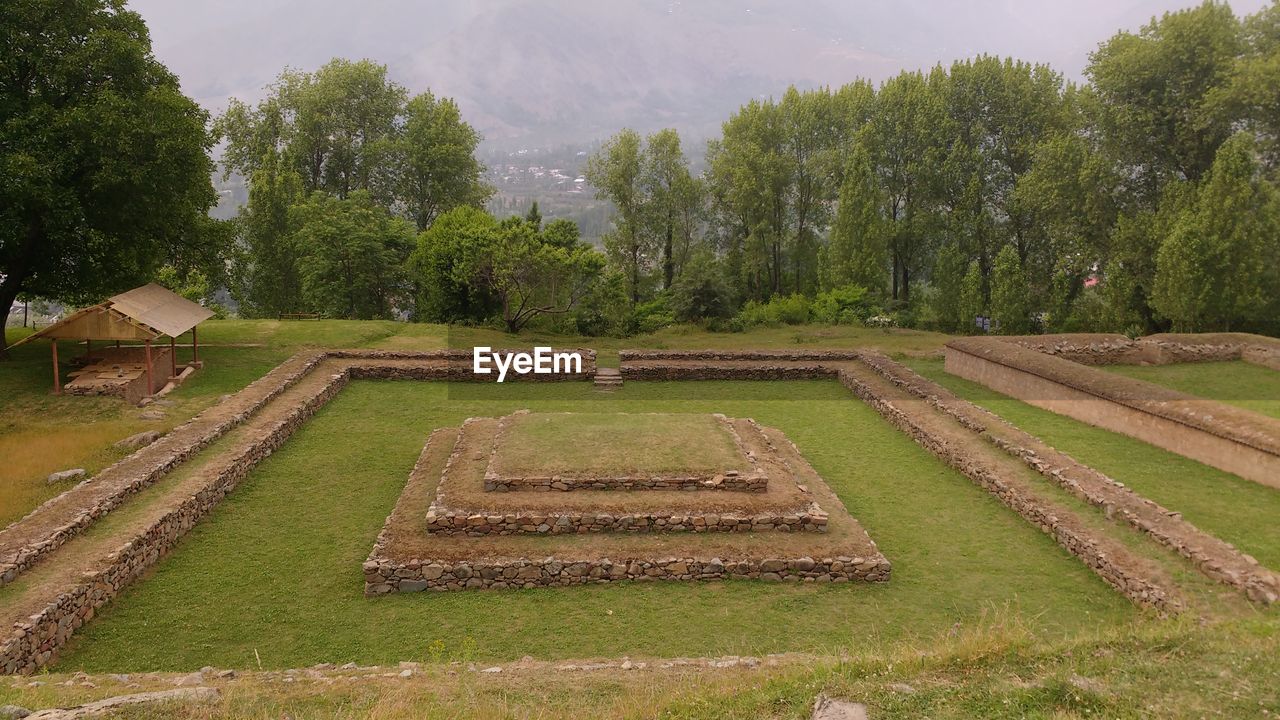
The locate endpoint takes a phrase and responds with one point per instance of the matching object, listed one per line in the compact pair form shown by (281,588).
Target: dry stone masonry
(1224,436)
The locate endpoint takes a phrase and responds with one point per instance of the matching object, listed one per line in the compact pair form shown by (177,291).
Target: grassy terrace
(1239,383)
(276,567)
(551,443)
(41,433)
(1239,511)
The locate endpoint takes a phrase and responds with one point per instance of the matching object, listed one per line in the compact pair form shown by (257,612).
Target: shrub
(847,305)
(791,310)
(701,292)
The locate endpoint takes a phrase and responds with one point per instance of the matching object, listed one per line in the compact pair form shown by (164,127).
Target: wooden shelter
(140,315)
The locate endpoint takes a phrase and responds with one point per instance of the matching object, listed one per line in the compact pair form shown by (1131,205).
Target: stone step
(608,378)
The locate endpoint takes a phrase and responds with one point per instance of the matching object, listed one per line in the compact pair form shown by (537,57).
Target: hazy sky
(531,71)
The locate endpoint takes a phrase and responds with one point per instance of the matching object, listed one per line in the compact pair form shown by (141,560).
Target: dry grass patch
(32,453)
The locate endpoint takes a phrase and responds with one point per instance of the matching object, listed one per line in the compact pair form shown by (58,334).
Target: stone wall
(725,370)
(1161,349)
(36,642)
(1215,558)
(383,575)
(738,355)
(730,480)
(457,368)
(442,520)
(1228,438)
(114,484)
(1130,581)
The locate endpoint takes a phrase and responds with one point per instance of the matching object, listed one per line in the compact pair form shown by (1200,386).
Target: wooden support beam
(173,356)
(195,347)
(57,384)
(150,385)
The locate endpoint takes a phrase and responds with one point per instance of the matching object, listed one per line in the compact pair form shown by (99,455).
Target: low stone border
(383,575)
(23,543)
(1130,581)
(728,479)
(1214,557)
(1226,437)
(1161,349)
(113,485)
(725,370)
(450,522)
(389,569)
(34,643)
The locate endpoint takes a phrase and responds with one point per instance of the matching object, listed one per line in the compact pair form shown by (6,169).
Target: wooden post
(57,384)
(173,355)
(195,347)
(150,386)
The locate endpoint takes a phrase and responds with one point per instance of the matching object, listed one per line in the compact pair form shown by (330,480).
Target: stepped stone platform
(410,556)
(489,447)
(691,452)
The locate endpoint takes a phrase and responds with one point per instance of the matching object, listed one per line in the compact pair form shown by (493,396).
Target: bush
(701,292)
(780,310)
(651,316)
(848,305)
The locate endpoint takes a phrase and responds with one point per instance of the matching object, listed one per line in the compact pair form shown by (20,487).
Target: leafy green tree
(904,142)
(616,172)
(529,277)
(534,216)
(1009,307)
(347,127)
(433,161)
(1250,95)
(948,279)
(265,279)
(972,301)
(672,201)
(856,252)
(105,164)
(1216,270)
(442,291)
(351,255)
(701,292)
(750,178)
(1154,88)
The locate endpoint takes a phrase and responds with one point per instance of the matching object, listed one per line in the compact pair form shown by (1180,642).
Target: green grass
(41,433)
(1167,670)
(541,444)
(276,567)
(1239,511)
(1238,383)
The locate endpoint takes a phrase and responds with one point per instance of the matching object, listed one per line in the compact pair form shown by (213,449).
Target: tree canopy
(104,163)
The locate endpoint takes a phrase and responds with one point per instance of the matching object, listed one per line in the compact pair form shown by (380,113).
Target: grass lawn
(41,433)
(1238,383)
(274,572)
(542,444)
(1239,511)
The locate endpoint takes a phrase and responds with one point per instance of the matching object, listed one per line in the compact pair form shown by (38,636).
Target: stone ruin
(464,521)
